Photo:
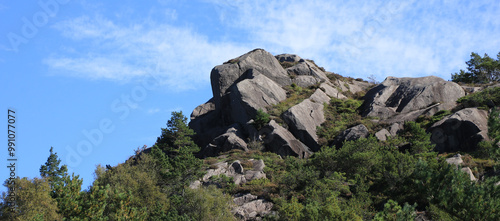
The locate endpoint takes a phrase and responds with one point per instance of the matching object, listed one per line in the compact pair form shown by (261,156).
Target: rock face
(461,131)
(405,96)
(303,119)
(240,87)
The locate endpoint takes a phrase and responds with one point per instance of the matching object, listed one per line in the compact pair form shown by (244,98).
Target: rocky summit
(258,80)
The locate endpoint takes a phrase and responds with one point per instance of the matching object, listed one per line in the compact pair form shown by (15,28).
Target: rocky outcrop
(461,131)
(353,133)
(249,207)
(303,119)
(304,73)
(232,72)
(280,141)
(234,170)
(407,96)
(240,87)
(230,140)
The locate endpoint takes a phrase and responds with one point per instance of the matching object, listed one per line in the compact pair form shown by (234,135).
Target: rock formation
(460,131)
(404,99)
(258,80)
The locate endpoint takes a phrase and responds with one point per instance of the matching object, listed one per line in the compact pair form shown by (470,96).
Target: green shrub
(261,119)
(394,212)
(487,98)
(339,115)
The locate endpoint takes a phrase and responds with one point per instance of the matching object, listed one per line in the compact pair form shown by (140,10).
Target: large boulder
(461,131)
(307,68)
(303,119)
(405,95)
(280,141)
(230,140)
(353,133)
(224,76)
(250,95)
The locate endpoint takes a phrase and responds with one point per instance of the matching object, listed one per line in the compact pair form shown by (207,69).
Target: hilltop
(284,139)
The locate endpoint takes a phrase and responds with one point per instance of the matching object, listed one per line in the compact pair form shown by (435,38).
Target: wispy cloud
(355,38)
(153,110)
(179,57)
(410,38)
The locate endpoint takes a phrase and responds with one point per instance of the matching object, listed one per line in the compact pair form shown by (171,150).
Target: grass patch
(295,95)
(340,115)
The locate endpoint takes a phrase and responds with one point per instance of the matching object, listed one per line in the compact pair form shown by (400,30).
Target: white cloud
(153,110)
(402,38)
(354,38)
(181,58)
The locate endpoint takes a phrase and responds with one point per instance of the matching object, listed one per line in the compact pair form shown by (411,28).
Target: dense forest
(400,178)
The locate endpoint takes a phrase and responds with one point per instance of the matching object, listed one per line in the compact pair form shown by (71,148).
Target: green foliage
(340,114)
(52,171)
(204,204)
(178,167)
(483,99)
(427,121)
(224,181)
(479,70)
(494,124)
(291,210)
(453,192)
(64,189)
(295,95)
(435,213)
(177,135)
(393,211)
(419,140)
(130,186)
(261,119)
(33,201)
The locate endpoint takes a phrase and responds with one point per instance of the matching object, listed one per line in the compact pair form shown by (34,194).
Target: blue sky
(96,80)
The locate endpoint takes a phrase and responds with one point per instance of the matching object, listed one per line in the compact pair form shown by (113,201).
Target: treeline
(480,70)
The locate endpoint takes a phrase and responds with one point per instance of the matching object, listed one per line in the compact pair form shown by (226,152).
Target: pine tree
(64,189)
(177,135)
(52,171)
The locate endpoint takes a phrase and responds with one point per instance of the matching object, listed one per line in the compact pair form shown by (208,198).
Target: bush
(261,119)
(339,114)
(489,97)
(393,211)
